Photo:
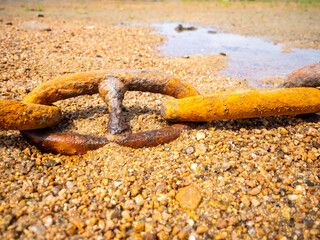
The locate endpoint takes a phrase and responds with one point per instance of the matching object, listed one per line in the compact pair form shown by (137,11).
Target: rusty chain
(38,114)
(34,115)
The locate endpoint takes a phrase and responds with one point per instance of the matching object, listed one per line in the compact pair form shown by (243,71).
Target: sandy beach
(228,179)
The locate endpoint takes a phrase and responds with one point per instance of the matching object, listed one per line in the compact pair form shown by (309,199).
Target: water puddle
(251,58)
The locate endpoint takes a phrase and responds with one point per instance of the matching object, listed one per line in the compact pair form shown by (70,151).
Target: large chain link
(112,85)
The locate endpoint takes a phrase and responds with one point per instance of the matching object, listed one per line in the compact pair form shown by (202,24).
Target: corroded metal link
(63,143)
(17,115)
(74,143)
(243,104)
(72,85)
(154,137)
(112,91)
(112,85)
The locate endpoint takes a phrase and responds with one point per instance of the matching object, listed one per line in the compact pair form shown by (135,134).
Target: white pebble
(293,197)
(200,135)
(194,166)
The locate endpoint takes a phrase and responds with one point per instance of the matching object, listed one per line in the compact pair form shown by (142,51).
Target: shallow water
(251,58)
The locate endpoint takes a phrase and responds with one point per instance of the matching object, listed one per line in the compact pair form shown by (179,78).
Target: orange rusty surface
(243,104)
(72,85)
(16,115)
(63,143)
(74,143)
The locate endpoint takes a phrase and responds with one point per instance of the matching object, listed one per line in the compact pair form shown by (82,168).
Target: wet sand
(249,179)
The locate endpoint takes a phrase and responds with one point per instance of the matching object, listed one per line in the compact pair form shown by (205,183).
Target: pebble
(37,229)
(200,135)
(255,202)
(189,197)
(139,227)
(200,148)
(255,191)
(286,213)
(128,205)
(48,220)
(190,150)
(183,235)
(135,190)
(193,166)
(202,229)
(245,200)
(109,235)
(292,197)
(221,223)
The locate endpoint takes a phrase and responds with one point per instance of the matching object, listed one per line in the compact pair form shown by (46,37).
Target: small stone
(261,179)
(255,191)
(126,214)
(299,189)
(189,197)
(163,235)
(202,229)
(150,236)
(286,213)
(292,197)
(135,190)
(226,166)
(69,185)
(314,231)
(192,237)
(71,229)
(148,226)
(78,222)
(175,230)
(139,200)
(109,224)
(280,237)
(128,205)
(190,150)
(221,223)
(48,220)
(5,222)
(200,135)
(183,235)
(194,166)
(37,228)
(260,232)
(139,227)
(315,144)
(109,235)
(255,202)
(200,148)
(190,222)
(55,190)
(115,214)
(245,200)
(117,183)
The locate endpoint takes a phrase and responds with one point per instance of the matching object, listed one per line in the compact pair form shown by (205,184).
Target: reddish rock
(308,76)
(189,197)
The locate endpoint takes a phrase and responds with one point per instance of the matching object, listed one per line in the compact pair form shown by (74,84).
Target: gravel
(252,178)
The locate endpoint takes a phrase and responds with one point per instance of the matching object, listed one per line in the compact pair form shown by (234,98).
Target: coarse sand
(229,179)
